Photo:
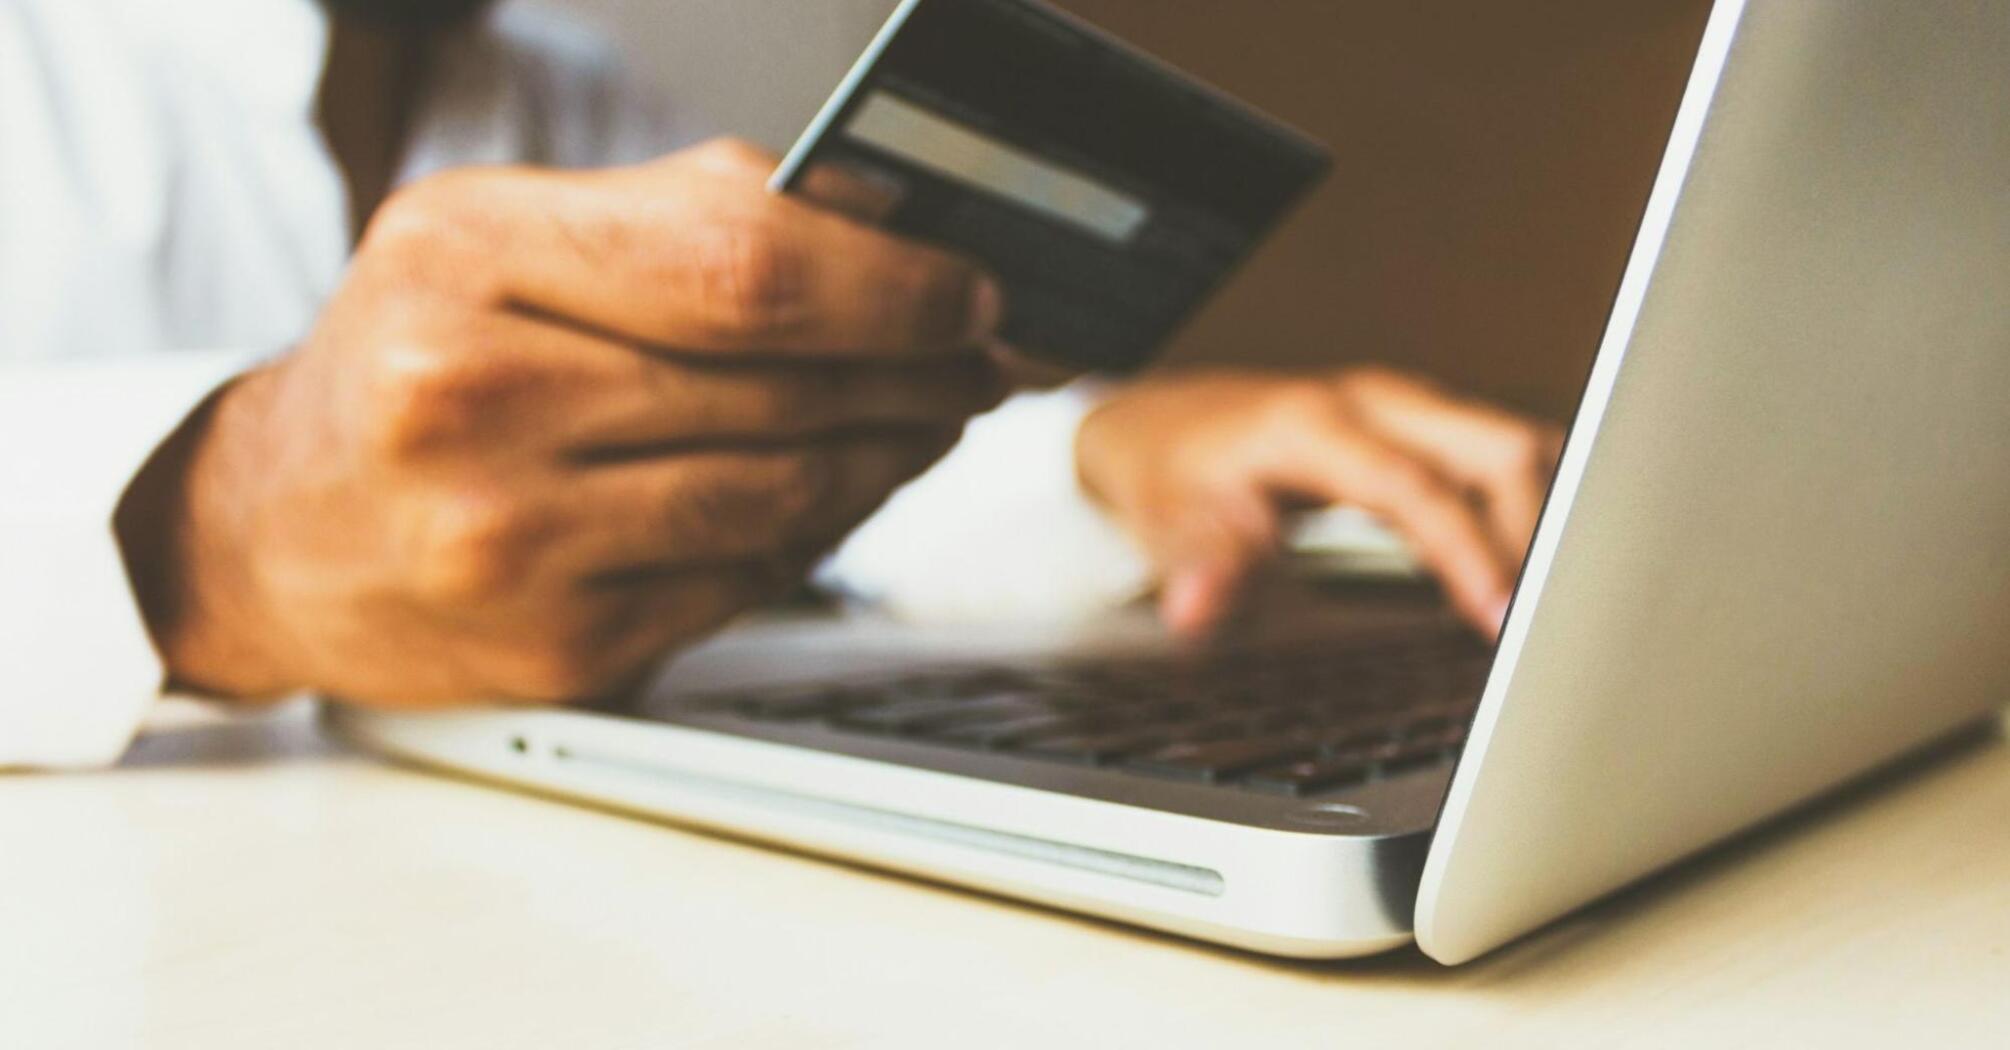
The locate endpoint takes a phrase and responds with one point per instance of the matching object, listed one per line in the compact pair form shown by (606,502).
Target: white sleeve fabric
(999,531)
(78,669)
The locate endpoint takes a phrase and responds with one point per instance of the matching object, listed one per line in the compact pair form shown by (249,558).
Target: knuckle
(422,217)
(1371,381)
(474,549)
(426,399)
(437,235)
(405,421)
(1298,404)
(406,221)
(1524,453)
(753,283)
(729,153)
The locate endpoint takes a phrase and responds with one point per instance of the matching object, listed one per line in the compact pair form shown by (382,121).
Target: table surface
(247,883)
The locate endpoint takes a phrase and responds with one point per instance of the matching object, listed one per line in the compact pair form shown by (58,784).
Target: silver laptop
(1776,556)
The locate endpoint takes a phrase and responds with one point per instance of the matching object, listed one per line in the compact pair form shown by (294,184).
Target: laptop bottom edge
(1285,893)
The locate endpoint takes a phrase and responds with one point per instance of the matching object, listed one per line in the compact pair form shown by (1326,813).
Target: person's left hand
(1201,467)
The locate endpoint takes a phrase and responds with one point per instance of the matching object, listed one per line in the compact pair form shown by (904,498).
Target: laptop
(1776,556)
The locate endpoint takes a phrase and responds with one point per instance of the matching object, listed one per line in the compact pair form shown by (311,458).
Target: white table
(247,884)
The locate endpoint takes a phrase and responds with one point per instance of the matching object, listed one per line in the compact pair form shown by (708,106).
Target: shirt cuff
(999,531)
(78,669)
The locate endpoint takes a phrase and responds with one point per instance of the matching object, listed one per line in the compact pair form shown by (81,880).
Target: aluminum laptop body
(1776,556)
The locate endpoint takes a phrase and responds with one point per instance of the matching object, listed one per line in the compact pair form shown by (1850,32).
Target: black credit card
(1110,192)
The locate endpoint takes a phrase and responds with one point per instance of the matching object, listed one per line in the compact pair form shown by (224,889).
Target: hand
(1202,466)
(551,427)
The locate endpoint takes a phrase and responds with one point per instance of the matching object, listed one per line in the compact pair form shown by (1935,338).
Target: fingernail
(1194,601)
(1185,598)
(987,309)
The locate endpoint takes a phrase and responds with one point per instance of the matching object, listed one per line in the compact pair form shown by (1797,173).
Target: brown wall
(1491,160)
(1492,155)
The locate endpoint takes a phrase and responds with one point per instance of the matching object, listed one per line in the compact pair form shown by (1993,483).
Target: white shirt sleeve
(999,531)
(78,669)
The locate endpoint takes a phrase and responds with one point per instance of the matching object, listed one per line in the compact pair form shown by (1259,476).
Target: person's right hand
(1203,466)
(552,426)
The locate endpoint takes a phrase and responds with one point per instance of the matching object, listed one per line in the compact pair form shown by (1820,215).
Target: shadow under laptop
(1592,938)
(1672,897)
(1622,932)
(190,734)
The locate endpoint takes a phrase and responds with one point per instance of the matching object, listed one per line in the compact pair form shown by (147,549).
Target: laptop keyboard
(1298,720)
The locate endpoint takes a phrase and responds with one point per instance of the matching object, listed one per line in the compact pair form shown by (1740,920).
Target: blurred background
(1492,158)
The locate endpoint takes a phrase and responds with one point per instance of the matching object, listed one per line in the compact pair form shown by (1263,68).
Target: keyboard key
(1203,727)
(1429,726)
(794,705)
(913,716)
(1073,698)
(1012,731)
(1373,753)
(1213,761)
(1408,761)
(1297,719)
(1393,757)
(1277,717)
(1446,742)
(1355,731)
(1094,748)
(955,684)
(1309,775)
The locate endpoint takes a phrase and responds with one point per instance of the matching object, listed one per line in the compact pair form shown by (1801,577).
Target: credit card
(1110,192)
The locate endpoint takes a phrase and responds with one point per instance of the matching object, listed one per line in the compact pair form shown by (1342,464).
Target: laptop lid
(1777,552)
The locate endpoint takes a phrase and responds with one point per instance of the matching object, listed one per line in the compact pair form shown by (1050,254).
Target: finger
(663,611)
(677,254)
(527,384)
(1503,458)
(712,507)
(602,399)
(611,635)
(863,196)
(1197,596)
(730,157)
(1341,462)
(1206,555)
(1506,459)
(682,406)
